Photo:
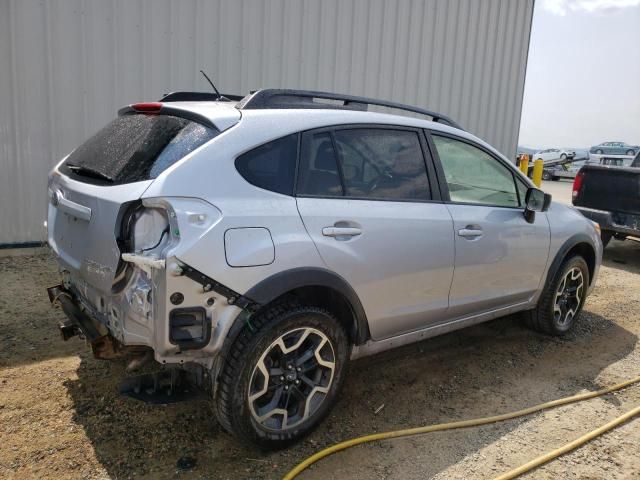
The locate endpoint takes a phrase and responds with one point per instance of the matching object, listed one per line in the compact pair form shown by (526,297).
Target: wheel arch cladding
(321,287)
(579,244)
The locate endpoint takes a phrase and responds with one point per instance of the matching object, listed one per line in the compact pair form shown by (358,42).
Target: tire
(631,152)
(545,318)
(546,175)
(606,238)
(598,152)
(314,332)
(563,156)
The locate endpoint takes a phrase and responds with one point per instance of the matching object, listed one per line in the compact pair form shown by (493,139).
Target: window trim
(435,195)
(444,187)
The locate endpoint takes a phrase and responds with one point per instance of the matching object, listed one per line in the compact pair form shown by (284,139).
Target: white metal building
(66,66)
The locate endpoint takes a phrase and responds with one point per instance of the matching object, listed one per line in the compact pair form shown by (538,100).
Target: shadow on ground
(622,255)
(496,367)
(28,322)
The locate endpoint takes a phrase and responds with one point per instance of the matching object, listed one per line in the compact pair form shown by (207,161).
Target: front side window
(474,176)
(271,166)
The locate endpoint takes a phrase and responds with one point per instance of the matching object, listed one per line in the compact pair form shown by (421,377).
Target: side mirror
(535,201)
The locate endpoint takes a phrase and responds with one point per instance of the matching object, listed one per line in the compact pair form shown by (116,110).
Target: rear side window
(382,163)
(136,147)
(271,166)
(319,167)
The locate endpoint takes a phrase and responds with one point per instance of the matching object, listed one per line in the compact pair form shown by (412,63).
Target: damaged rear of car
(118,249)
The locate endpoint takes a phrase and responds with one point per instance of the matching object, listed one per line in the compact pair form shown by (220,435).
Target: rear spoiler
(156,108)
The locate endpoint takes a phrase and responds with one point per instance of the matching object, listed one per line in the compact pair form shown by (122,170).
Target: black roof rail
(285,98)
(199,97)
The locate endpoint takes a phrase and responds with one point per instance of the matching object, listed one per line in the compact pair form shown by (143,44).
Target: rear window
(136,147)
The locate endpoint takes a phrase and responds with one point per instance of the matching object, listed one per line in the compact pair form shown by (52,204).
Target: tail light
(577,185)
(147,107)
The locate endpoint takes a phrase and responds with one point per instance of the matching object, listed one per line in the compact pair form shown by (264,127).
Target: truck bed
(614,189)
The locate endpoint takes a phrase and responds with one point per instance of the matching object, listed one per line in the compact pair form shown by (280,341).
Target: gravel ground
(61,416)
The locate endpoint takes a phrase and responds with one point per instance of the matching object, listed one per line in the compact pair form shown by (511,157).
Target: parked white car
(554,154)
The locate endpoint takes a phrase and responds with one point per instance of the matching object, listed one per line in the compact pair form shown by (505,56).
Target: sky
(583,74)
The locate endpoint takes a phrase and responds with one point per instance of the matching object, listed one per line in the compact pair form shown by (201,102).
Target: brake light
(577,184)
(147,107)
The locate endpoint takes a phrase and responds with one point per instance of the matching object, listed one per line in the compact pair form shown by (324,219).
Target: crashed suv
(257,245)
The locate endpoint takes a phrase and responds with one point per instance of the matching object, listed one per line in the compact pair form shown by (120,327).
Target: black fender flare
(562,252)
(280,283)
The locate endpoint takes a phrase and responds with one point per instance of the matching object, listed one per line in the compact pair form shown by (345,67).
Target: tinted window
(271,166)
(474,176)
(382,163)
(136,147)
(318,166)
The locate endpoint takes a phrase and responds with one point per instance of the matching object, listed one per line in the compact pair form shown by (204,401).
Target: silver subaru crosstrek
(253,246)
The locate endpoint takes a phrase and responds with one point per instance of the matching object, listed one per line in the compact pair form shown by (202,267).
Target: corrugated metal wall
(67,65)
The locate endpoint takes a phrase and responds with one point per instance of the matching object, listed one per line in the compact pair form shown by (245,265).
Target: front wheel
(563,156)
(631,152)
(281,379)
(599,152)
(562,300)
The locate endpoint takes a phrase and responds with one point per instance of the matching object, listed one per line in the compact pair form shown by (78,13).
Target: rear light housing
(577,185)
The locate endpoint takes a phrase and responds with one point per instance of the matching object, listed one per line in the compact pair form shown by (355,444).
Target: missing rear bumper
(79,323)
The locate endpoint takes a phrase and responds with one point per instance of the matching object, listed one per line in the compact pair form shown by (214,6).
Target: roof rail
(284,98)
(199,97)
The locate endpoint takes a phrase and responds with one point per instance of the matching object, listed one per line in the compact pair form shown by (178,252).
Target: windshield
(136,147)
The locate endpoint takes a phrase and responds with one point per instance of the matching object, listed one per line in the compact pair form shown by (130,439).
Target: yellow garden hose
(484,421)
(569,446)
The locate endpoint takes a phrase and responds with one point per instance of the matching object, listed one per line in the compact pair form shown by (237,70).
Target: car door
(375,216)
(500,257)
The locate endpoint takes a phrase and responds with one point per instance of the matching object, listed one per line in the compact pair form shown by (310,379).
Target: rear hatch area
(91,190)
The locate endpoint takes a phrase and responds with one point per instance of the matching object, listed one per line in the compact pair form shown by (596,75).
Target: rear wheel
(599,152)
(561,302)
(563,156)
(546,175)
(280,380)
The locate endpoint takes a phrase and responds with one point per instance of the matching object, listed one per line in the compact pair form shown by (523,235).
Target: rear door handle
(341,231)
(470,232)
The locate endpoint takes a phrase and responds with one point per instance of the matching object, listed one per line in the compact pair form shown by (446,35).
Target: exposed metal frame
(286,98)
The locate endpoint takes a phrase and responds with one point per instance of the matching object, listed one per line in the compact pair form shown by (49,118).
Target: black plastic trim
(200,97)
(209,284)
(574,240)
(277,285)
(286,98)
(6,246)
(190,344)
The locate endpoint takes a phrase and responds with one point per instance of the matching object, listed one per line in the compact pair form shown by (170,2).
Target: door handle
(71,208)
(470,232)
(341,231)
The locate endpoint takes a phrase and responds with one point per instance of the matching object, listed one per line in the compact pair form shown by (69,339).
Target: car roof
(283,121)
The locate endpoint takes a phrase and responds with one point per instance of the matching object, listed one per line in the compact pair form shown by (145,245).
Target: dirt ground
(61,415)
